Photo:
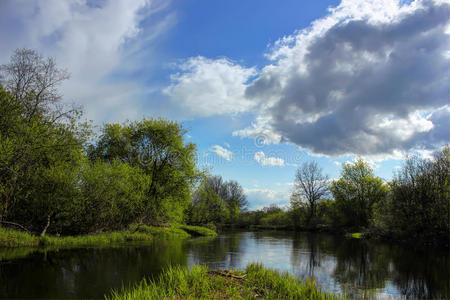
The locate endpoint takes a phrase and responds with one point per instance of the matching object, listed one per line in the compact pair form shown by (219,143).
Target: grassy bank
(199,282)
(198,230)
(14,238)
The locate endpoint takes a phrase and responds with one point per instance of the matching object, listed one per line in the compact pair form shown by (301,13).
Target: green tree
(419,201)
(111,197)
(208,207)
(231,192)
(157,147)
(41,143)
(356,192)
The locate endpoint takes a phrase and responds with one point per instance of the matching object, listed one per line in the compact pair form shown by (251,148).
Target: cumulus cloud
(97,41)
(261,158)
(222,152)
(370,78)
(206,87)
(260,198)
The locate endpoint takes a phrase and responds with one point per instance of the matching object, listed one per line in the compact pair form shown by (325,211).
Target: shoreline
(10,238)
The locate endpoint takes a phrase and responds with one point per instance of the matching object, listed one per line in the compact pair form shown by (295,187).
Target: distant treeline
(414,206)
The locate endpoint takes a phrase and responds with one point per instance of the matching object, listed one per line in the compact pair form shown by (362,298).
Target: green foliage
(168,232)
(135,232)
(418,205)
(198,230)
(357,235)
(277,218)
(356,192)
(156,147)
(38,159)
(13,238)
(112,196)
(198,283)
(41,143)
(217,202)
(207,207)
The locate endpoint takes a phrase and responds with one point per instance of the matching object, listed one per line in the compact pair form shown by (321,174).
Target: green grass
(357,235)
(198,230)
(14,238)
(168,232)
(199,283)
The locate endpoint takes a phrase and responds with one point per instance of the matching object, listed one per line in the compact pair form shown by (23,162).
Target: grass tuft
(357,235)
(198,230)
(200,283)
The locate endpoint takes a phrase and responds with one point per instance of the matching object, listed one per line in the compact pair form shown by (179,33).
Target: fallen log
(227,273)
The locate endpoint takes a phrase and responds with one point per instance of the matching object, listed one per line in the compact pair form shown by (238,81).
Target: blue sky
(262,86)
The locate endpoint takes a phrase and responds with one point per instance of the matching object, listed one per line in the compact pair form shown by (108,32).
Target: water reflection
(83,273)
(363,269)
(360,268)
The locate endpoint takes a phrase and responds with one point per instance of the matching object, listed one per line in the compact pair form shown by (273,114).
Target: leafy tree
(356,192)
(158,148)
(208,207)
(231,192)
(419,203)
(276,218)
(41,142)
(236,199)
(111,196)
(310,186)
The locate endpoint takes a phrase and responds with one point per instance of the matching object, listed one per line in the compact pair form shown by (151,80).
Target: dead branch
(15,224)
(227,273)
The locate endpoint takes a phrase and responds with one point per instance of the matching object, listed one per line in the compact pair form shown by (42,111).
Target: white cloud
(96,41)
(260,198)
(359,81)
(261,158)
(222,152)
(206,87)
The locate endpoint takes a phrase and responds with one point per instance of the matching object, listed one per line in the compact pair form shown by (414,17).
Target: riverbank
(13,238)
(199,282)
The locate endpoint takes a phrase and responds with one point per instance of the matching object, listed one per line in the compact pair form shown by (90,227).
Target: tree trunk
(46,226)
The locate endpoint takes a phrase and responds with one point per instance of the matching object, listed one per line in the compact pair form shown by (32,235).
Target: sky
(261,86)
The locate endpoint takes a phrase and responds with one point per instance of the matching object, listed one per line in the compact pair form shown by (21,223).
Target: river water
(358,267)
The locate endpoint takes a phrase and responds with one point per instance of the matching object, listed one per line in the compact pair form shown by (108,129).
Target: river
(358,267)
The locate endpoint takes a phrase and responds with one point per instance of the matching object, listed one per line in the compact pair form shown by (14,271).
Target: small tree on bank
(310,186)
(356,192)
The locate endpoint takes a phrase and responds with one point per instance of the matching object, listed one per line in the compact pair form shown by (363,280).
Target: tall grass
(199,283)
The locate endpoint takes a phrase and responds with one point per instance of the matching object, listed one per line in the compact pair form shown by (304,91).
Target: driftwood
(227,273)
(15,224)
